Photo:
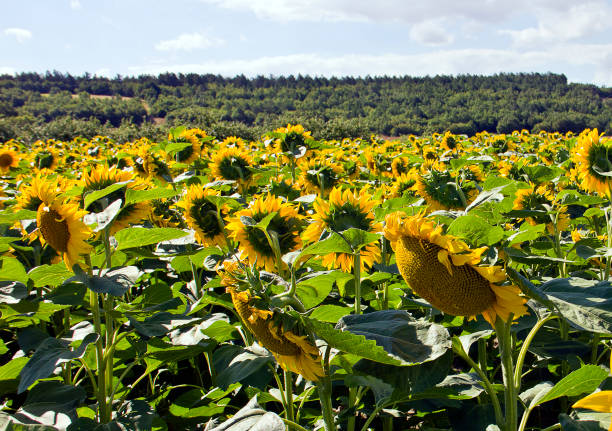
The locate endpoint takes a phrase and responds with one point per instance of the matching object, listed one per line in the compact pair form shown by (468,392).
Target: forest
(61,106)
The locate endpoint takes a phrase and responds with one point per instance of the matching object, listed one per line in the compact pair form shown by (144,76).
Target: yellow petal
(599,401)
(443,259)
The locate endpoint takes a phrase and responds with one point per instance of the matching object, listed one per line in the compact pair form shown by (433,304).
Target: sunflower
(441,191)
(445,271)
(293,141)
(342,211)
(102,177)
(593,158)
(190,152)
(253,242)
(8,159)
(46,159)
(32,195)
(232,164)
(319,175)
(292,351)
(541,199)
(201,215)
(400,165)
(60,225)
(450,142)
(403,183)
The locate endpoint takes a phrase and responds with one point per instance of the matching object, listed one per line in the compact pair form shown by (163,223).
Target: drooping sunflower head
(60,225)
(446,272)
(200,214)
(232,164)
(400,165)
(283,187)
(592,155)
(342,211)
(101,177)
(260,245)
(37,190)
(281,335)
(9,158)
(319,175)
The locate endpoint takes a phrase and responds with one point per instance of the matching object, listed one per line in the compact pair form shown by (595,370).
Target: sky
(309,37)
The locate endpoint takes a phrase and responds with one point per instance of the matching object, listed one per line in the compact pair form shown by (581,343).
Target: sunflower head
(450,142)
(592,155)
(342,211)
(442,191)
(261,244)
(280,334)
(60,225)
(232,164)
(191,149)
(446,272)
(9,158)
(46,159)
(293,141)
(101,177)
(319,175)
(201,214)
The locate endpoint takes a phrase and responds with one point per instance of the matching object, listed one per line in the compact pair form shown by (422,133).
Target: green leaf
(11,216)
(51,403)
(313,291)
(330,313)
(50,275)
(12,292)
(140,236)
(237,364)
(333,244)
(599,422)
(526,232)
(51,353)
(252,417)
(587,305)
(581,381)
(358,238)
(12,270)
(134,196)
(9,375)
(99,194)
(476,230)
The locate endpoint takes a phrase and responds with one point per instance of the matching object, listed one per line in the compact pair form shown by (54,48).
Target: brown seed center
(55,230)
(463,293)
(5,160)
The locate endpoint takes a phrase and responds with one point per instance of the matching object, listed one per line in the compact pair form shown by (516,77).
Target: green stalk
(518,371)
(325,392)
(110,341)
(288,378)
(499,418)
(357,278)
(505,350)
(103,411)
(350,424)
(291,424)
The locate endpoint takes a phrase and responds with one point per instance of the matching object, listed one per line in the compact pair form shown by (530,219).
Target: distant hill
(32,103)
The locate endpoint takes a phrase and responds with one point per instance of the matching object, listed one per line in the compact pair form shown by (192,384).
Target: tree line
(60,105)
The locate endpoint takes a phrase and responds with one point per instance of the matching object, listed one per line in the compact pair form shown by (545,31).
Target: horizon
(318,38)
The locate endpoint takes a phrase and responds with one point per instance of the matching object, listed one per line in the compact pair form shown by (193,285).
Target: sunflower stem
(499,418)
(288,378)
(357,278)
(518,369)
(110,341)
(350,425)
(103,410)
(505,350)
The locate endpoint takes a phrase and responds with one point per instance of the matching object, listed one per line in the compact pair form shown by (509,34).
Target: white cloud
(562,25)
(440,62)
(388,10)
(188,42)
(21,34)
(4,70)
(431,33)
(75,4)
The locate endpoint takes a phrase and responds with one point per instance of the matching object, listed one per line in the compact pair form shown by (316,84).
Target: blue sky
(311,37)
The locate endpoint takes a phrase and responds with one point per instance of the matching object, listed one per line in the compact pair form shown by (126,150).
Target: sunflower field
(439,282)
